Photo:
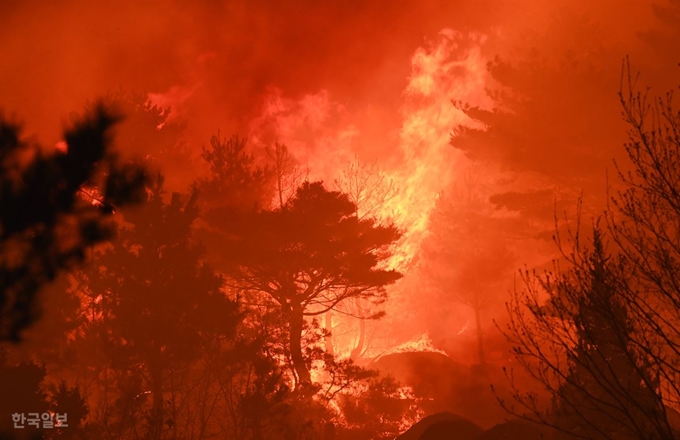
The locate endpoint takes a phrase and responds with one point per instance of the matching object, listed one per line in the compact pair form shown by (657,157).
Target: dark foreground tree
(161,312)
(48,217)
(607,344)
(581,346)
(235,182)
(308,257)
(26,384)
(644,220)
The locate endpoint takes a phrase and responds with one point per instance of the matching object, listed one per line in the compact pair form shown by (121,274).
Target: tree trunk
(356,351)
(329,336)
(156,416)
(299,364)
(279,173)
(480,339)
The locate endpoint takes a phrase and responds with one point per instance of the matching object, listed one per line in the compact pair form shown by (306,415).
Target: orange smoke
(318,131)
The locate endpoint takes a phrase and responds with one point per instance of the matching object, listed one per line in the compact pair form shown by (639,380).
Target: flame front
(453,69)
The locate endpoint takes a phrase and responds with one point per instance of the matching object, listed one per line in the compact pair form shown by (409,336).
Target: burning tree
(287,173)
(367,187)
(308,257)
(551,128)
(466,258)
(370,190)
(48,219)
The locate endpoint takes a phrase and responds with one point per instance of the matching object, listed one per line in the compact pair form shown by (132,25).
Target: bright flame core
(420,344)
(445,72)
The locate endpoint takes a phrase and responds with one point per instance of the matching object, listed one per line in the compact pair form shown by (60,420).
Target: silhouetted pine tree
(161,306)
(51,211)
(305,259)
(22,393)
(610,391)
(582,346)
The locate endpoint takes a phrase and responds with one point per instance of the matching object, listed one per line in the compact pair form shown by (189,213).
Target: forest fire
(406,221)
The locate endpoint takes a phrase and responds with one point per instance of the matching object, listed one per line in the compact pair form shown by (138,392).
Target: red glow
(475,122)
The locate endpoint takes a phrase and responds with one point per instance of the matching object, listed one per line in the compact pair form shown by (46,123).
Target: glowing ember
(61,147)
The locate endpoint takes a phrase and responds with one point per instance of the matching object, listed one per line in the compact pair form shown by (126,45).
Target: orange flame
(422,343)
(446,71)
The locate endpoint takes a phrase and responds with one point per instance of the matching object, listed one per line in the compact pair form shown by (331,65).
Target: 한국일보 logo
(45,420)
